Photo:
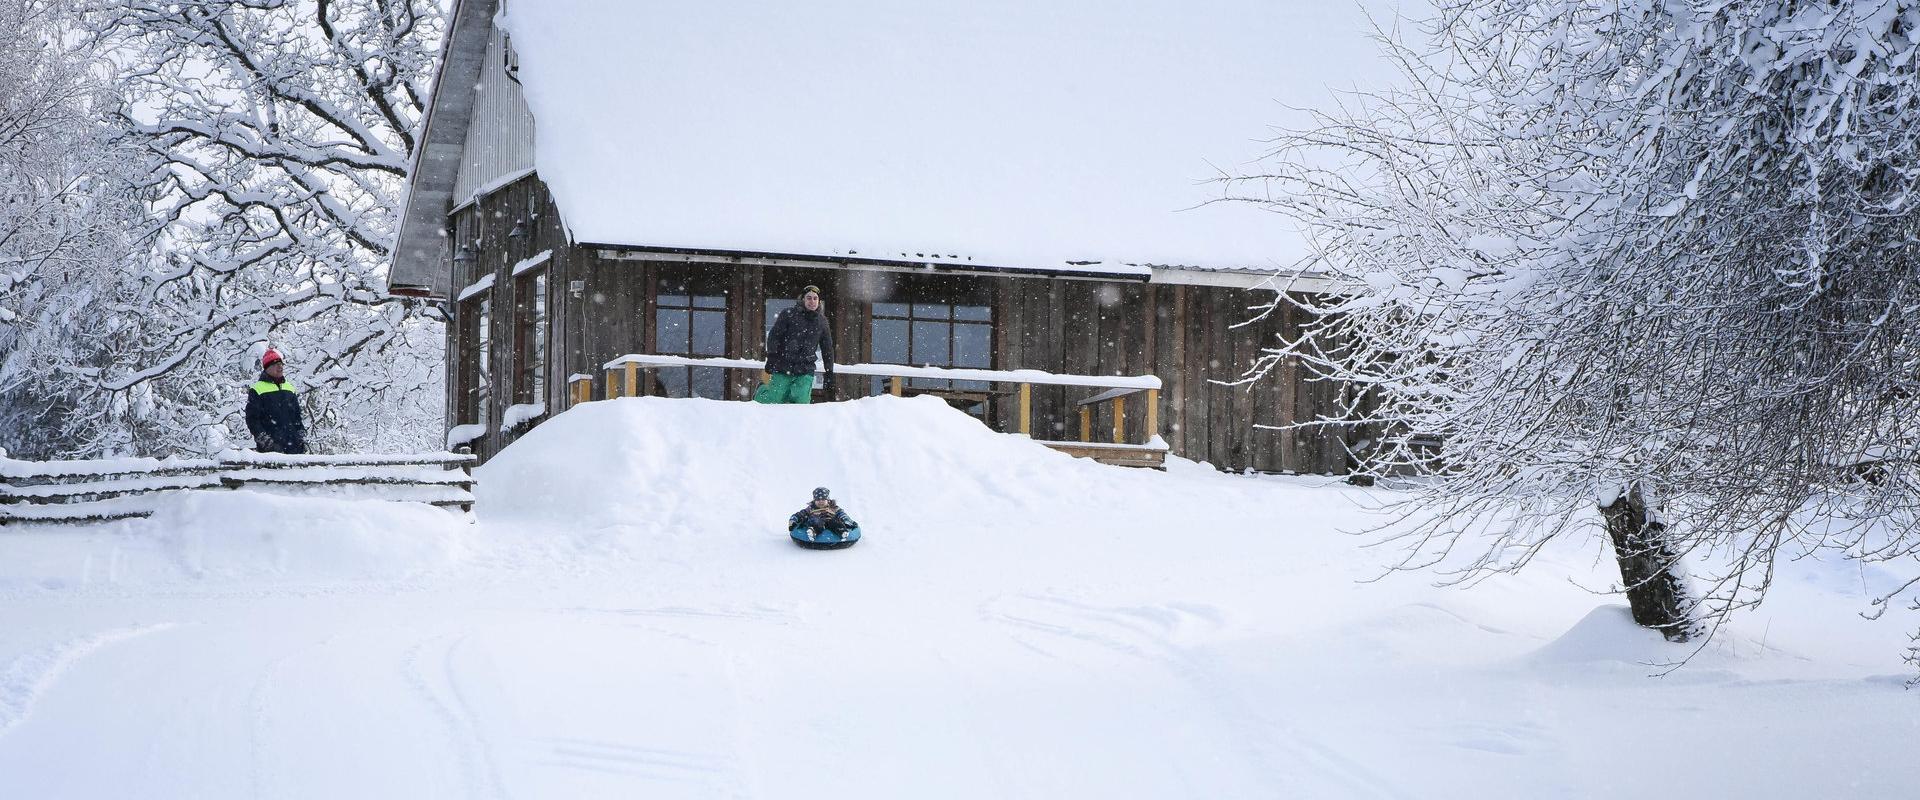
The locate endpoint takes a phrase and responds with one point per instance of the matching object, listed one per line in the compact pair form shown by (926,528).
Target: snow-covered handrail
(102,467)
(1118,386)
(236,458)
(1033,376)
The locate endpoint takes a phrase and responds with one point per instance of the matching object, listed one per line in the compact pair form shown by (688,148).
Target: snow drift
(906,469)
(627,618)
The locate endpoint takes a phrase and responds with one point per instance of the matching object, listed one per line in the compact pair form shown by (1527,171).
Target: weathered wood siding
(1187,335)
(1207,340)
(484,228)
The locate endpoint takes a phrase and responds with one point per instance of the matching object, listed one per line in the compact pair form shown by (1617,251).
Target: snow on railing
(110,489)
(1032,376)
(622,379)
(521,414)
(462,434)
(13,468)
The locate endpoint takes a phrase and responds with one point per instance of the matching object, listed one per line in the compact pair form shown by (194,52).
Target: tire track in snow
(24,679)
(464,735)
(1152,633)
(757,613)
(709,771)
(658,620)
(260,722)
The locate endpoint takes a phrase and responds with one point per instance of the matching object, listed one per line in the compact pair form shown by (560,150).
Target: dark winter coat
(796,334)
(273,417)
(829,517)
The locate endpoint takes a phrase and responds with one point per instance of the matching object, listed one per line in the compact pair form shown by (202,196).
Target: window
(509,60)
(475,349)
(933,334)
(530,337)
(690,318)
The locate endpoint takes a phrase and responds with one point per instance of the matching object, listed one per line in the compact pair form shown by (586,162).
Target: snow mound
(685,466)
(240,537)
(246,536)
(1605,636)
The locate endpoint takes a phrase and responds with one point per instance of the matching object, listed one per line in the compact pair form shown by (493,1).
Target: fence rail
(114,489)
(623,380)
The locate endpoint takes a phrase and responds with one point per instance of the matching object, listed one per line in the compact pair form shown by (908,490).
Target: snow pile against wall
(680,468)
(1011,133)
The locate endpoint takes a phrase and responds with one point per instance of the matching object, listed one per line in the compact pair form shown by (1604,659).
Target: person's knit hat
(820,493)
(809,288)
(269,358)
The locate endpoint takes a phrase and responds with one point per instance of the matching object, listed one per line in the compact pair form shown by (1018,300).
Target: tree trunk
(1655,592)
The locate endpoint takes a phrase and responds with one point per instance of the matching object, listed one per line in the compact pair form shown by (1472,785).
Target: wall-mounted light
(519,230)
(463,256)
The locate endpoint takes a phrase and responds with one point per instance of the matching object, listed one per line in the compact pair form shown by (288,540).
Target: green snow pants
(785,389)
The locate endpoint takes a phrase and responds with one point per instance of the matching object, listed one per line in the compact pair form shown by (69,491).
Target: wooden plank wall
(1184,334)
(484,227)
(1206,340)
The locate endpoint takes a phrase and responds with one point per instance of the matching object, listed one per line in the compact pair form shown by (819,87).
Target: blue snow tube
(824,540)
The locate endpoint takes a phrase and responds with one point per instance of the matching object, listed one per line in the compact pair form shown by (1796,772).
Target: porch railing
(622,379)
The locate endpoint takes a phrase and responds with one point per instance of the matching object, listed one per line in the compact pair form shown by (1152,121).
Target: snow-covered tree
(273,138)
(1661,257)
(70,229)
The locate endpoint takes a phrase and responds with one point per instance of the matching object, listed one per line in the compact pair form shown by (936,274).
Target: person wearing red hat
(273,409)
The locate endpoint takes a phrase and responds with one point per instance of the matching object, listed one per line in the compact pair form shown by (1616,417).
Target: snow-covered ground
(626,619)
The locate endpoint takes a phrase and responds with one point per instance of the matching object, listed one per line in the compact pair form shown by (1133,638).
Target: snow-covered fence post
(466,468)
(580,388)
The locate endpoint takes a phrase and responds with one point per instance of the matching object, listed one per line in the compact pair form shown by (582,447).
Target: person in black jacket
(273,409)
(798,331)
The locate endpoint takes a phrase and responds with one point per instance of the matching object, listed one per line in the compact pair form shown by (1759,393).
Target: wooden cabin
(562,246)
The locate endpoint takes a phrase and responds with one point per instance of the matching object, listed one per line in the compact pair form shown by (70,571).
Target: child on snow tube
(821,516)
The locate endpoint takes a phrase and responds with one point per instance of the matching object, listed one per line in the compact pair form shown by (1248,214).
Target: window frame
(699,297)
(532,342)
(921,314)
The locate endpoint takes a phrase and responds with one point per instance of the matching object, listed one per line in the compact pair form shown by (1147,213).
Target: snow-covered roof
(1002,132)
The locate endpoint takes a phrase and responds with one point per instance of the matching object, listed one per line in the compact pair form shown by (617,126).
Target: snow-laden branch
(1628,250)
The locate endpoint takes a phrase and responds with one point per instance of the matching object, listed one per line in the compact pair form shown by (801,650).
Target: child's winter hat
(820,493)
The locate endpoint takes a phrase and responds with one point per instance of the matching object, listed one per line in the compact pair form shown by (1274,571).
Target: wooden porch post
(1153,413)
(1086,423)
(633,379)
(1026,409)
(1120,419)
(613,389)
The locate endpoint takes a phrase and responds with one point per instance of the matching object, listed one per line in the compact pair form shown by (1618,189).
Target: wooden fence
(623,380)
(114,489)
